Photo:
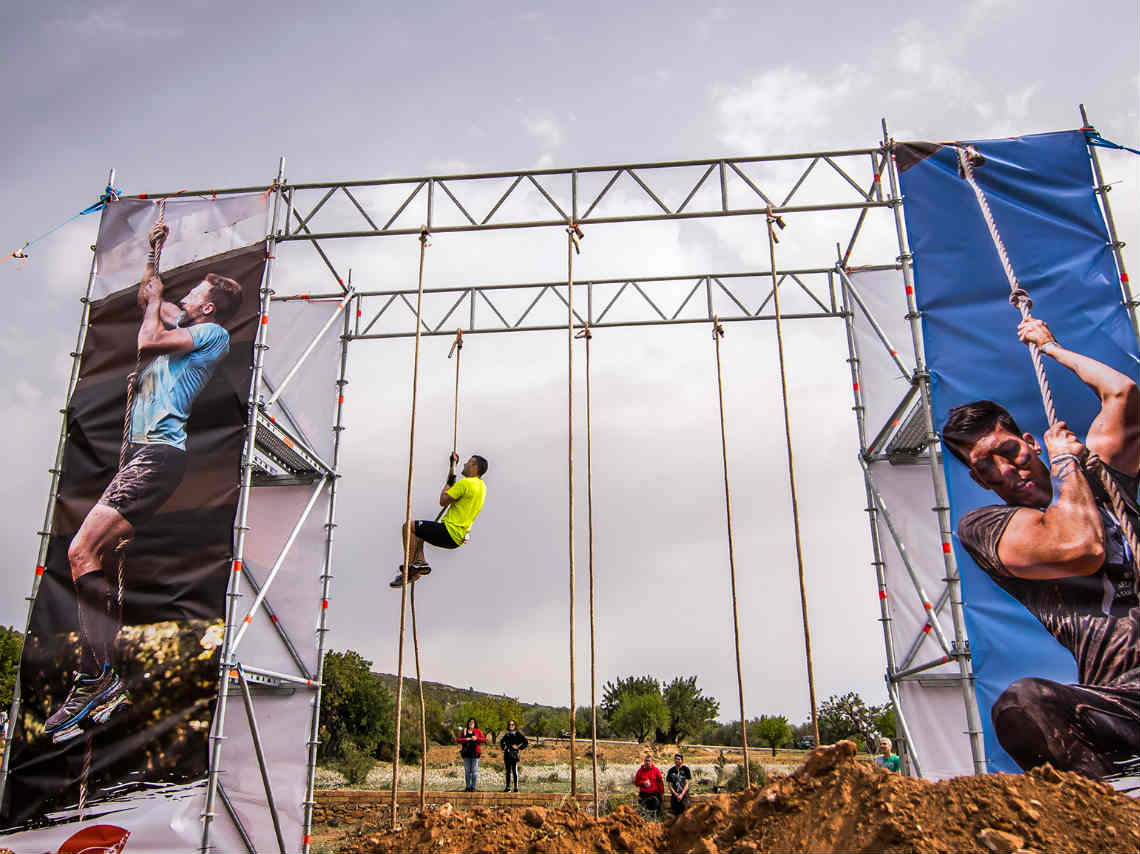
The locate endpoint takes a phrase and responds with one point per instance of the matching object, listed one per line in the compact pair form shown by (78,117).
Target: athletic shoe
(417,569)
(88,695)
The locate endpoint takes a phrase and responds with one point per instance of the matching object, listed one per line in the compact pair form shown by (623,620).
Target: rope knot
(1020,299)
(775,219)
(717,330)
(574,232)
(584,333)
(457,344)
(424,235)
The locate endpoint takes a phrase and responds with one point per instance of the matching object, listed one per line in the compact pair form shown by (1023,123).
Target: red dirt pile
(831,803)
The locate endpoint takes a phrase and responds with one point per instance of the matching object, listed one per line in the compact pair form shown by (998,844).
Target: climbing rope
(457,351)
(587,335)
(573,235)
(775,222)
(717,334)
(968,158)
(407,526)
(423,712)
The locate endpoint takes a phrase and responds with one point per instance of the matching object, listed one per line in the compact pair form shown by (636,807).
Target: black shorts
(435,533)
(145,482)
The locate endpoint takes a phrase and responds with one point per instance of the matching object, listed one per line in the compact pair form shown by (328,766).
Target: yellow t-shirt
(467,494)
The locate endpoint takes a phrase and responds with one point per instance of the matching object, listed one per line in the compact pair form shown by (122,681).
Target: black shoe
(515,789)
(91,698)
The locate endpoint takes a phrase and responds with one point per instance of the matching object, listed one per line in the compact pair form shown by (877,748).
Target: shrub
(354,764)
(757,775)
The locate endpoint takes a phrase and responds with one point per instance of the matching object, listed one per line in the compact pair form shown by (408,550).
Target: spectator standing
(886,759)
(650,786)
(679,779)
(512,742)
(471,741)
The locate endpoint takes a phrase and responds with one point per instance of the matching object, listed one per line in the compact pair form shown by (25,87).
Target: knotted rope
(586,334)
(407,529)
(774,221)
(717,334)
(968,158)
(573,235)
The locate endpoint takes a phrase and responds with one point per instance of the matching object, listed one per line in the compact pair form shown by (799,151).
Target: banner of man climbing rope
(1013,267)
(119,668)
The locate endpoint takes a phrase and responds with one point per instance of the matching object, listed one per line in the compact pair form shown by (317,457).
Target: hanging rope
(588,335)
(773,223)
(968,158)
(573,235)
(407,528)
(717,334)
(457,351)
(423,712)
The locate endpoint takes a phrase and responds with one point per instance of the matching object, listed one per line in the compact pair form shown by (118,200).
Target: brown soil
(831,803)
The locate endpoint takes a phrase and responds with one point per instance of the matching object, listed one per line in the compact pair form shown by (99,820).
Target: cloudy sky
(203,94)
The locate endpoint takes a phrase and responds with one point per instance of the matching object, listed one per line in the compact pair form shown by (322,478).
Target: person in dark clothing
(471,741)
(678,780)
(1057,547)
(512,742)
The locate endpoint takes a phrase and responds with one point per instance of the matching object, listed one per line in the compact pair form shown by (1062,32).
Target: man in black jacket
(512,742)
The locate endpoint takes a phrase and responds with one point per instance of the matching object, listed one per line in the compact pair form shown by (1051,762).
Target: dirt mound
(831,803)
(533,829)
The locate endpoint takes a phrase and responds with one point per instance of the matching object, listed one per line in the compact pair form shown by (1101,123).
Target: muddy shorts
(145,482)
(434,533)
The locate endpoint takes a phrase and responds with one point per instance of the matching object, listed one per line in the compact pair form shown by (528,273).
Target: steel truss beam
(438,201)
(482,308)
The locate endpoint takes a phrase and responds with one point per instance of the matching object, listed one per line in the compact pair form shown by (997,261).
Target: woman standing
(512,742)
(471,741)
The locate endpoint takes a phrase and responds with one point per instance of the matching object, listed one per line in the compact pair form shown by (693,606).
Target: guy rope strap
(968,158)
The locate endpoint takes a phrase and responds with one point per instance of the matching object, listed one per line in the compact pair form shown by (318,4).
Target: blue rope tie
(110,194)
(1094,138)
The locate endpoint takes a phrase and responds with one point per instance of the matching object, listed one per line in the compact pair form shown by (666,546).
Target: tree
(774,731)
(612,692)
(885,721)
(689,709)
(355,708)
(639,715)
(11,641)
(845,716)
(508,709)
(487,715)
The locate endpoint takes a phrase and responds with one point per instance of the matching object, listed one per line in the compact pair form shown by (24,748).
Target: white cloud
(545,130)
(779,105)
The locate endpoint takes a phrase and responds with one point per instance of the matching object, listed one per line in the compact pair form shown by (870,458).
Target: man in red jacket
(650,786)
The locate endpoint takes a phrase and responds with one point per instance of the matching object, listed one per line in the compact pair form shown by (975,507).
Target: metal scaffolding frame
(277,452)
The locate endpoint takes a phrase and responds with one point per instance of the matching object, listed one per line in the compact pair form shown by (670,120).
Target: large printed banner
(119,669)
(1049,580)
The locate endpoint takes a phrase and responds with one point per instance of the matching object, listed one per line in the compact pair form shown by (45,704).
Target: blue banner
(1052,616)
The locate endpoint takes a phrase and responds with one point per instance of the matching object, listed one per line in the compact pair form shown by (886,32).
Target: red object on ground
(97,837)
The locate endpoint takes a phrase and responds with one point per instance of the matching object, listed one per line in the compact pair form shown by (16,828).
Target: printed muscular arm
(1066,539)
(154,337)
(1115,432)
(168,312)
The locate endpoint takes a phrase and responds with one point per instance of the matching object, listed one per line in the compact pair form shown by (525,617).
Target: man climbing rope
(463,499)
(186,342)
(1057,547)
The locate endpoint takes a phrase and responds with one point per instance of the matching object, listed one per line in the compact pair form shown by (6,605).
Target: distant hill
(449,695)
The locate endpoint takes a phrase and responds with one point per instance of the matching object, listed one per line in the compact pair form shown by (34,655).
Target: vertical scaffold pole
(233,593)
(56,472)
(938,475)
(1130,301)
(873,519)
(326,582)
